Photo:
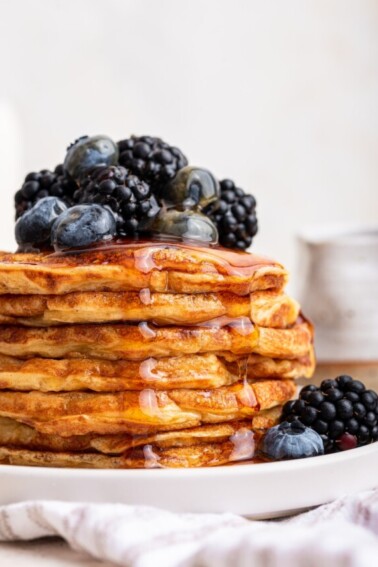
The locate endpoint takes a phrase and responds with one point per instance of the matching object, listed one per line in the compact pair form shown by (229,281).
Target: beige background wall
(282,96)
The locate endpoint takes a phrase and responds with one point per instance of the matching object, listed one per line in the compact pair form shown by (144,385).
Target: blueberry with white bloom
(34,227)
(83,225)
(291,441)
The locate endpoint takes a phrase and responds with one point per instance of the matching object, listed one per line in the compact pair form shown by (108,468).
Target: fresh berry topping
(347,441)
(151,159)
(83,225)
(129,198)
(33,229)
(291,441)
(187,225)
(340,410)
(41,184)
(235,216)
(192,188)
(88,152)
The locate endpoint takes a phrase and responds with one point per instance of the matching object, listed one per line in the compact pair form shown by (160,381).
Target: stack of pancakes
(144,355)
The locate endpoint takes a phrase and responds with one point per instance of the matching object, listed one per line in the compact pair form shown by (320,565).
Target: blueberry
(34,227)
(192,188)
(291,441)
(89,152)
(188,225)
(82,225)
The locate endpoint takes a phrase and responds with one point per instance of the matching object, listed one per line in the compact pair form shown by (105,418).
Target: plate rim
(222,470)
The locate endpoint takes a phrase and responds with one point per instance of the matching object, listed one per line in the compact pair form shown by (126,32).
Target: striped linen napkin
(341,534)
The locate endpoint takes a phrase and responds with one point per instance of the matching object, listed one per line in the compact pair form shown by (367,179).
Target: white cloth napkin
(341,534)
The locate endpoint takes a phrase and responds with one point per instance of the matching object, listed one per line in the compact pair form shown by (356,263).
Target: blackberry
(126,195)
(41,184)
(342,411)
(235,216)
(151,159)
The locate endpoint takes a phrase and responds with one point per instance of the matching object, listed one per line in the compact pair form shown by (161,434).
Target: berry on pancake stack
(135,331)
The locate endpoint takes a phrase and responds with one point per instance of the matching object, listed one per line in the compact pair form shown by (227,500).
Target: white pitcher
(339,273)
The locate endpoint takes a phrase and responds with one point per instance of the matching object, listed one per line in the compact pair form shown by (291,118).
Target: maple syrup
(140,253)
(143,255)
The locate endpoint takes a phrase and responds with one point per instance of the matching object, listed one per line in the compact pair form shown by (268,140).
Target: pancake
(208,445)
(18,435)
(80,413)
(191,371)
(210,455)
(137,342)
(158,266)
(266,308)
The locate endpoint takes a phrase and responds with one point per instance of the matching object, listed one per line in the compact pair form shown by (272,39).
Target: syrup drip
(145,296)
(146,331)
(232,262)
(246,395)
(243,368)
(151,459)
(207,259)
(148,402)
(146,369)
(144,260)
(242,325)
(244,445)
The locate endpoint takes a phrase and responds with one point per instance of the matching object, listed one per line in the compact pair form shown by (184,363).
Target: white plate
(260,491)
